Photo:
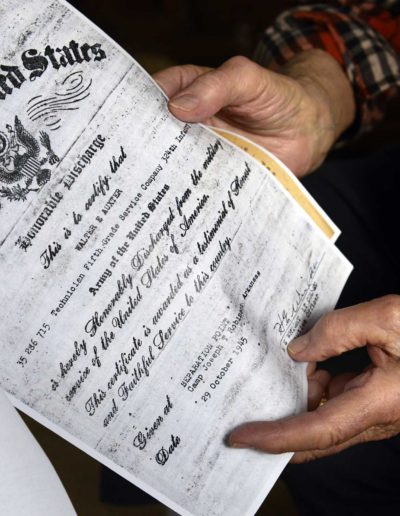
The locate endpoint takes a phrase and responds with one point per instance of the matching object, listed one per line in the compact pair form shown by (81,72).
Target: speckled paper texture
(152,273)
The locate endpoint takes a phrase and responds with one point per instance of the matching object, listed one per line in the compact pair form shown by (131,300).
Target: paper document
(29,485)
(153,274)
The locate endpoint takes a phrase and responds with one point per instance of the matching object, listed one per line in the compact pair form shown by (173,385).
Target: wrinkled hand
(358,408)
(296,114)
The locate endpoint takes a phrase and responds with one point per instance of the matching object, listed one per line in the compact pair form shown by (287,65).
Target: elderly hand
(359,408)
(297,114)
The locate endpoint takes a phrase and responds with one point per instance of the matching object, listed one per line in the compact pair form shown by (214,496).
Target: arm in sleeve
(364,37)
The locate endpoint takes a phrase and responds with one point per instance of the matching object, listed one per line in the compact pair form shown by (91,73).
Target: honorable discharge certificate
(152,274)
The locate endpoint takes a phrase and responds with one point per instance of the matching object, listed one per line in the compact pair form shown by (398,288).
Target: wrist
(331,104)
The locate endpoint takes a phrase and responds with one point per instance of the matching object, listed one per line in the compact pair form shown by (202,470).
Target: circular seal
(4,144)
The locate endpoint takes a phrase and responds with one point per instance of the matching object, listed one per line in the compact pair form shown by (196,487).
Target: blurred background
(158,33)
(161,33)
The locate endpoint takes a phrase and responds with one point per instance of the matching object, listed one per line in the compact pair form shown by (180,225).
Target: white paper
(152,274)
(29,485)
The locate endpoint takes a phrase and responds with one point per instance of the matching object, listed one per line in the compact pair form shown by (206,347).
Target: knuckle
(247,71)
(334,429)
(390,312)
(215,80)
(387,407)
(192,69)
(326,330)
(386,431)
(379,432)
(312,455)
(280,444)
(305,457)
(239,62)
(327,324)
(327,438)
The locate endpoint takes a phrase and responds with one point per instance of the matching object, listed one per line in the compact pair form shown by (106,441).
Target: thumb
(237,82)
(375,323)
(176,78)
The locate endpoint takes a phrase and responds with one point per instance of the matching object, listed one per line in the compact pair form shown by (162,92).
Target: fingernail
(187,102)
(297,346)
(239,445)
(232,443)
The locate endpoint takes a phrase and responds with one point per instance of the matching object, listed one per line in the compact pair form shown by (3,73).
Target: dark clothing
(361,196)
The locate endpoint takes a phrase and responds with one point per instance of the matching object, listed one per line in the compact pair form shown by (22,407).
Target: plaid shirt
(364,37)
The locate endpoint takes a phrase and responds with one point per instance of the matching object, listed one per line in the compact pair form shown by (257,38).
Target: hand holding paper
(297,114)
(359,408)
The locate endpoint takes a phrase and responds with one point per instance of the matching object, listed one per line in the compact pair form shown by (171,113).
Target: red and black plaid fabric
(364,37)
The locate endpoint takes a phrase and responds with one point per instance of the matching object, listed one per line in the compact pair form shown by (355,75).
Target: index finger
(376,323)
(337,421)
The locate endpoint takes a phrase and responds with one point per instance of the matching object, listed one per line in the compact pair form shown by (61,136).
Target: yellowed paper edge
(286,180)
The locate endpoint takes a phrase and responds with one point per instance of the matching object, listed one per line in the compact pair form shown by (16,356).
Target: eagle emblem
(25,162)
